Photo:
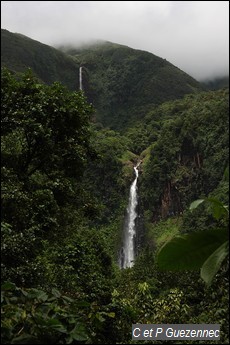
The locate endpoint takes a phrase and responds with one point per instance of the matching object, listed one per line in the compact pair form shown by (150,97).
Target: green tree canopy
(45,145)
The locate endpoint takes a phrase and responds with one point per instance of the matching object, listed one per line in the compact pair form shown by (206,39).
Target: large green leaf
(213,263)
(218,209)
(190,251)
(79,333)
(196,203)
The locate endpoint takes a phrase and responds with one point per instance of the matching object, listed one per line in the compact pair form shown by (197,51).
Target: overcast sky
(193,35)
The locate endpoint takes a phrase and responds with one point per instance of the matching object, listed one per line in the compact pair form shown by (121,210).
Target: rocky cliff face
(171,202)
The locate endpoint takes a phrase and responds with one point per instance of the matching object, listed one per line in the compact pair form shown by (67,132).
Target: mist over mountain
(121,82)
(19,52)
(191,35)
(216,83)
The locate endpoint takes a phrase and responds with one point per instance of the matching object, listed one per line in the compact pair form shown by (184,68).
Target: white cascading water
(128,251)
(80,79)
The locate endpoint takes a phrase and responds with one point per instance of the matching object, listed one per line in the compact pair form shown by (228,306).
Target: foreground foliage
(204,250)
(44,147)
(65,185)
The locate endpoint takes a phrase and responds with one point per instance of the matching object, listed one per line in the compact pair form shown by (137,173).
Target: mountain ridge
(122,83)
(19,52)
(134,81)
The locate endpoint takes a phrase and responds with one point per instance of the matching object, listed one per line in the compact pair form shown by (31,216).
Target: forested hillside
(122,83)
(65,188)
(189,154)
(19,52)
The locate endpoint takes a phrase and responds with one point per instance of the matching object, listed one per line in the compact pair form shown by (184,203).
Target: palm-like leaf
(205,250)
(190,251)
(213,263)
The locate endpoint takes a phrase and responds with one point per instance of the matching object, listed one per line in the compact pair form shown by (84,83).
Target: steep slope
(19,52)
(188,154)
(123,83)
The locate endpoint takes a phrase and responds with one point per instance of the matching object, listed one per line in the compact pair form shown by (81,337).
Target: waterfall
(80,78)
(127,254)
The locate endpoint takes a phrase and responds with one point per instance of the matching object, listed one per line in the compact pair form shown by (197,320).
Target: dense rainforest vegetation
(121,82)
(18,52)
(66,174)
(124,83)
(64,190)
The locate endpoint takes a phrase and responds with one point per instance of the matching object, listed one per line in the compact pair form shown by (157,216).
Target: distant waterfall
(127,254)
(80,79)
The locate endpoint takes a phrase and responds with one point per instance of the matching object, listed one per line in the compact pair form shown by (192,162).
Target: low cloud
(193,35)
